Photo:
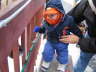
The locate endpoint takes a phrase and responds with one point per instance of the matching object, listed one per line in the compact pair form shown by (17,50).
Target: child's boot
(61,67)
(44,66)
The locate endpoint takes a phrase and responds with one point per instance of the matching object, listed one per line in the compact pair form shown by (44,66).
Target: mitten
(36,29)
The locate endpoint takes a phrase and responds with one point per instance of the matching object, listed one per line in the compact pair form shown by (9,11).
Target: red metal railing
(22,25)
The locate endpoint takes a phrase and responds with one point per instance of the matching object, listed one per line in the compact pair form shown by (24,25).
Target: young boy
(55,24)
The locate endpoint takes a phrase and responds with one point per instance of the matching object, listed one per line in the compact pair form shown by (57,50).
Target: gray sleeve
(91,67)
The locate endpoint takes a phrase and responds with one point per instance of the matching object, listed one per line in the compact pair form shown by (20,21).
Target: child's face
(52,16)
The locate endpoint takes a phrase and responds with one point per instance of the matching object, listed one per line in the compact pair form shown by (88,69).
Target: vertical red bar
(23,46)
(32,27)
(32,24)
(26,42)
(38,20)
(29,35)
(4,65)
(16,57)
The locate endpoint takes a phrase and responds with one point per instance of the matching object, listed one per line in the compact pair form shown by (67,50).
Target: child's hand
(36,29)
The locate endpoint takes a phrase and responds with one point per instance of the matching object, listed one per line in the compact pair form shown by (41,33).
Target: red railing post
(4,65)
(23,46)
(21,25)
(37,21)
(16,57)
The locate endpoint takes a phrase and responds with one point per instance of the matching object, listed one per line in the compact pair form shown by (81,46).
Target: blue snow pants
(61,50)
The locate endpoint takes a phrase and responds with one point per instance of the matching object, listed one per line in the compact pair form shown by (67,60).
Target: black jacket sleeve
(88,44)
(74,28)
(78,11)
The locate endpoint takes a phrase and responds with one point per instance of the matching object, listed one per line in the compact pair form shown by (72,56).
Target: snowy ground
(11,64)
(74,52)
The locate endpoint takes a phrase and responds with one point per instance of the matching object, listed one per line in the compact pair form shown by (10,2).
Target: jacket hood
(55,4)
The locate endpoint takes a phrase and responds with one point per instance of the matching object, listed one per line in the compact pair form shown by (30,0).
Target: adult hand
(69,39)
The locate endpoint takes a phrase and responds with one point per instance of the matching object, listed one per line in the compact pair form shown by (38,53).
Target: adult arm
(78,11)
(86,44)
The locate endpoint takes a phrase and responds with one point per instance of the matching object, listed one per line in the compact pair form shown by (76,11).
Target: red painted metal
(13,10)
(4,65)
(10,34)
(16,57)
(39,16)
(29,35)
(23,46)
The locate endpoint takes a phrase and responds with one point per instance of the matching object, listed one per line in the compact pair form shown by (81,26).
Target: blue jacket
(53,33)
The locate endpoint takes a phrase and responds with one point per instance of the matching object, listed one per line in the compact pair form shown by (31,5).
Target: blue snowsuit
(53,34)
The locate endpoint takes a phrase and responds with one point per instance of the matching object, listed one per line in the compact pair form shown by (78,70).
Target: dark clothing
(55,4)
(54,33)
(84,12)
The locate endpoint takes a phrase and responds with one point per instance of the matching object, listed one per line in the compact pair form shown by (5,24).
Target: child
(55,24)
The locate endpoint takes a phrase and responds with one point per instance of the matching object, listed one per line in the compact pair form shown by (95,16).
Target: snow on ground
(74,52)
(11,64)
